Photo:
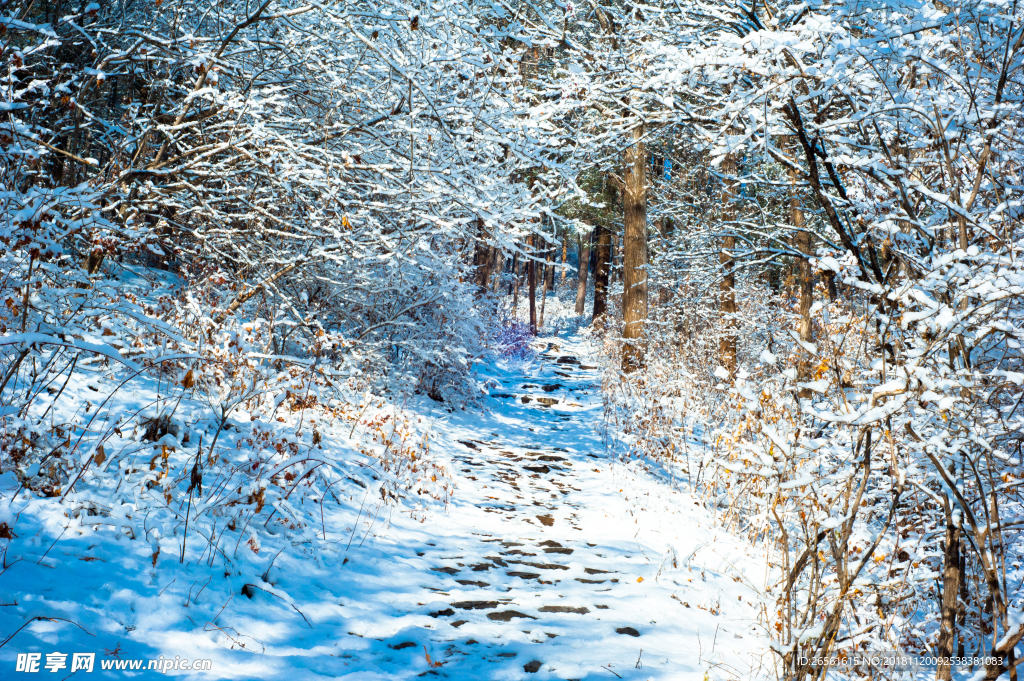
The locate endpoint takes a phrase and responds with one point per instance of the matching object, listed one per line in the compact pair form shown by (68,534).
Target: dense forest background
(795,227)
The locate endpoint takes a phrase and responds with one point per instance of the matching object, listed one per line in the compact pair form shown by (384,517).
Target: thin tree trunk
(602,270)
(950,588)
(552,265)
(961,612)
(868,262)
(514,269)
(549,282)
(667,230)
(727,346)
(802,241)
(616,275)
(488,269)
(548,273)
(581,280)
(542,272)
(565,256)
(533,286)
(634,252)
(93,262)
(499,264)
(830,282)
(480,255)
(543,302)
(516,281)
(592,243)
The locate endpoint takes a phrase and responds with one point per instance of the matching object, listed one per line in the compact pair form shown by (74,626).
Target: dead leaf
(431,663)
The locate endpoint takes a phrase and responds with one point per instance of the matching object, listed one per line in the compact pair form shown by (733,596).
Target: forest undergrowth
(243,244)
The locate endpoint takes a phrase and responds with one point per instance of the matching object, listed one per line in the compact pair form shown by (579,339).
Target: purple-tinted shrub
(513,340)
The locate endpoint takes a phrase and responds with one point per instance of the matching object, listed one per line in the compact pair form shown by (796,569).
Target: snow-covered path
(556,561)
(552,561)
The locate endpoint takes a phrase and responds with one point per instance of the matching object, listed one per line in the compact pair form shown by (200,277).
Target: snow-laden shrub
(862,474)
(513,340)
(220,273)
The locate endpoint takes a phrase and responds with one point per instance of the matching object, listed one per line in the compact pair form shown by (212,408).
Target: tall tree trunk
(542,271)
(533,286)
(487,270)
(543,302)
(830,282)
(950,587)
(602,270)
(549,280)
(517,279)
(93,262)
(499,265)
(481,254)
(727,346)
(565,255)
(802,241)
(546,274)
(667,231)
(548,271)
(514,269)
(592,242)
(634,252)
(961,610)
(616,274)
(581,280)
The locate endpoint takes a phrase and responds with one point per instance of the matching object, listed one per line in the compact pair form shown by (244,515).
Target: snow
(579,553)
(340,238)
(819,386)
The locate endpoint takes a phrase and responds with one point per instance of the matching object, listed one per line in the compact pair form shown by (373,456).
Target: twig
(189,599)
(300,613)
(60,392)
(48,619)
(52,545)
(188,511)
(257,586)
(13,369)
(355,525)
(603,667)
(266,574)
(214,620)
(370,527)
(184,539)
